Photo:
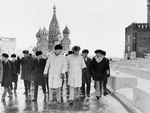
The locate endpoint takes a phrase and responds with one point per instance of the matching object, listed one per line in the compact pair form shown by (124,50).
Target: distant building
(7,45)
(137,38)
(46,40)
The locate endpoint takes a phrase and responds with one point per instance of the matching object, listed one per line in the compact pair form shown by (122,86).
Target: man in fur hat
(55,68)
(15,71)
(98,69)
(7,77)
(39,79)
(26,63)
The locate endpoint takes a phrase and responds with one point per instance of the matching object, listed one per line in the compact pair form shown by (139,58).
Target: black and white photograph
(74,56)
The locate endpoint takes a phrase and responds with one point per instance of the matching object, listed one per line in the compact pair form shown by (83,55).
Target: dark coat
(98,70)
(86,75)
(1,71)
(15,70)
(7,72)
(38,67)
(107,61)
(26,68)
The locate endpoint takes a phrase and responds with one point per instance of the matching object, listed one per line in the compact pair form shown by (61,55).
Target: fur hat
(25,52)
(76,48)
(38,53)
(85,51)
(13,55)
(70,52)
(104,53)
(58,47)
(5,55)
(98,51)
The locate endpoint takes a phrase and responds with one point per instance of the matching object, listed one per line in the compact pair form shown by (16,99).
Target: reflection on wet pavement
(21,104)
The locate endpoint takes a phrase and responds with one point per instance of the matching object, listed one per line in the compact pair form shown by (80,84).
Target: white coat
(75,64)
(55,65)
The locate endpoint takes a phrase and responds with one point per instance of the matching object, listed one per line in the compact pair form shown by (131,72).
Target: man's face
(3,58)
(58,51)
(85,55)
(25,55)
(76,52)
(99,55)
(13,58)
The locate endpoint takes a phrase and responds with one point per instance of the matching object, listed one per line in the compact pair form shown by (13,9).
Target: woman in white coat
(75,64)
(55,68)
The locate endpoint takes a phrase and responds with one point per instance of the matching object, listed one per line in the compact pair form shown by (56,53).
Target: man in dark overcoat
(98,70)
(15,71)
(39,78)
(86,75)
(7,76)
(107,74)
(26,70)
(1,71)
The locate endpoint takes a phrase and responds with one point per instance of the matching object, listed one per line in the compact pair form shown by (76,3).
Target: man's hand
(45,75)
(61,75)
(107,72)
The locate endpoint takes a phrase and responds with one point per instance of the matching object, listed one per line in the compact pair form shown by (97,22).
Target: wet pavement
(20,104)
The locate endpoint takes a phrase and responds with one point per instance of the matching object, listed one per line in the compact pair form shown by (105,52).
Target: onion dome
(44,31)
(38,34)
(66,30)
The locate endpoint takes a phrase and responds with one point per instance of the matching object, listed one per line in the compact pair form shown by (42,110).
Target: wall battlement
(141,26)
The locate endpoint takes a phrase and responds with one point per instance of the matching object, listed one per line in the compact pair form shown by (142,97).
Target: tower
(148,11)
(66,41)
(54,31)
(42,42)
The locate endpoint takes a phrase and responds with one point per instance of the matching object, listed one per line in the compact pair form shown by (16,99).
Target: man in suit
(15,71)
(86,75)
(39,79)
(26,63)
(107,74)
(7,77)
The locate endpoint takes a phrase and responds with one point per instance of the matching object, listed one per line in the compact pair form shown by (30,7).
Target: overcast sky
(94,24)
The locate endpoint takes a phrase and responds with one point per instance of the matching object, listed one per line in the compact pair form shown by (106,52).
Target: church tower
(54,31)
(148,11)
(42,43)
(66,41)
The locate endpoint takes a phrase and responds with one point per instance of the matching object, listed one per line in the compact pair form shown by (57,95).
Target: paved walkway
(19,104)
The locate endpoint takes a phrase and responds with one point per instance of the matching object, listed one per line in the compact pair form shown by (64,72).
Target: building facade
(46,40)
(137,38)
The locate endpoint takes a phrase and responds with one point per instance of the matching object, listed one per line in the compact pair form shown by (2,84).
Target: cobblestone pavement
(20,104)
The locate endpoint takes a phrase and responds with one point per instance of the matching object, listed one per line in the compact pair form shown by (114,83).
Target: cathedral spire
(54,9)
(54,36)
(54,18)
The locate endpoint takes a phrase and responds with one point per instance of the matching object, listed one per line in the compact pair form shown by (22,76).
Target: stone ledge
(117,81)
(141,99)
(142,73)
(124,101)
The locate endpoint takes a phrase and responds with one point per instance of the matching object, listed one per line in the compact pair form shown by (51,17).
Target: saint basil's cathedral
(46,40)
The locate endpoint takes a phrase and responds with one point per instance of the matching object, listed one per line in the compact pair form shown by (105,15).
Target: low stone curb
(123,101)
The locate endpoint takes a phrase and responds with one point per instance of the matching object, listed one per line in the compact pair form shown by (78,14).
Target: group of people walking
(78,69)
